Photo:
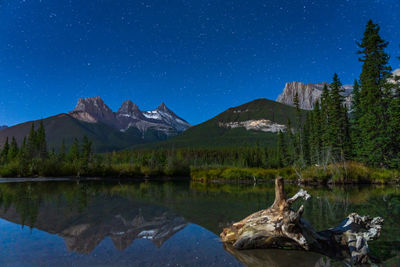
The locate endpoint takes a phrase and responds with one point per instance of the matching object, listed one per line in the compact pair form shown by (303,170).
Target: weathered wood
(280,226)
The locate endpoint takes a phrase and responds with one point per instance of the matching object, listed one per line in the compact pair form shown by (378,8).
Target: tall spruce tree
(325,121)
(355,112)
(316,134)
(4,152)
(372,122)
(280,150)
(13,151)
(306,139)
(32,142)
(298,149)
(41,145)
(337,120)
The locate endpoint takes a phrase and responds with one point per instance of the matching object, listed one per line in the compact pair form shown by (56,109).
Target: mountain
(2,127)
(256,122)
(162,119)
(308,94)
(107,130)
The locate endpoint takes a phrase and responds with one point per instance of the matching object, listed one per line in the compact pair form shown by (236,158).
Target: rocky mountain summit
(94,110)
(308,94)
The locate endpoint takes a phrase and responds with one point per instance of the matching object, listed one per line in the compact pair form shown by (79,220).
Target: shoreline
(83,179)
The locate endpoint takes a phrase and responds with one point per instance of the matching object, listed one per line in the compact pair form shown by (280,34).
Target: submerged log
(280,226)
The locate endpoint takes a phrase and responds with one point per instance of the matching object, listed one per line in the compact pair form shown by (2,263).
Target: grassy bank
(48,168)
(344,173)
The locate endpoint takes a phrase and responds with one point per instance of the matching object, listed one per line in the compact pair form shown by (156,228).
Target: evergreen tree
(355,119)
(325,121)
(291,151)
(4,152)
(86,152)
(316,134)
(337,120)
(32,142)
(73,154)
(281,150)
(298,149)
(306,139)
(13,151)
(62,153)
(41,144)
(374,74)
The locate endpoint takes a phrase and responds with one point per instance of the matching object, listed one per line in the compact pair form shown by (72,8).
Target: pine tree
(291,151)
(298,149)
(62,153)
(374,74)
(73,154)
(316,134)
(13,151)
(325,121)
(281,150)
(86,152)
(4,152)
(32,142)
(306,139)
(337,120)
(355,119)
(41,141)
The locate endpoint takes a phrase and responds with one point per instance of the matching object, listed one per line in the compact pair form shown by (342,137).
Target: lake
(122,223)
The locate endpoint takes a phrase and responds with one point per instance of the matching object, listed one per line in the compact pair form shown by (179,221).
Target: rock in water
(280,226)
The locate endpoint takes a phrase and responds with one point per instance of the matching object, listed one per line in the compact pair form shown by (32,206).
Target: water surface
(117,223)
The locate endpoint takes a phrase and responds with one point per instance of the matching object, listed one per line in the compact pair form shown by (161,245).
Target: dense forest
(367,132)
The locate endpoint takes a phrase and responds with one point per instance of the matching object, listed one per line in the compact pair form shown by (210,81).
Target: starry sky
(198,56)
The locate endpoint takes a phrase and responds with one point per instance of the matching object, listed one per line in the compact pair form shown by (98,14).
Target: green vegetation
(346,173)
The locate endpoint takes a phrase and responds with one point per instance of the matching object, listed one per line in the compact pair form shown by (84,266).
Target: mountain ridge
(93,110)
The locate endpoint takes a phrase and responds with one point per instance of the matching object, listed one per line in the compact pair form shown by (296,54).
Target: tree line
(33,158)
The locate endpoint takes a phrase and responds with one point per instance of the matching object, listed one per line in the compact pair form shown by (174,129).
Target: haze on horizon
(199,57)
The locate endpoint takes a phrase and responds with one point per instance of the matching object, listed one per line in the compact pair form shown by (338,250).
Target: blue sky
(200,57)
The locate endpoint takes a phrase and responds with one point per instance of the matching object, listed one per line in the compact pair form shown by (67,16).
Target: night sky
(200,57)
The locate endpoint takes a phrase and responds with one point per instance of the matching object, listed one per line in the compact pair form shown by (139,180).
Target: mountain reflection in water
(112,223)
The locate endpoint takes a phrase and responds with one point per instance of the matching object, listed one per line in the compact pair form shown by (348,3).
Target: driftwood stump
(279,226)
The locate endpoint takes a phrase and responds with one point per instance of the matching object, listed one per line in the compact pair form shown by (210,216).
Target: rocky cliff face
(308,94)
(93,110)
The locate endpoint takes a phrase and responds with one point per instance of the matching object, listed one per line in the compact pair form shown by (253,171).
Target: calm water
(168,224)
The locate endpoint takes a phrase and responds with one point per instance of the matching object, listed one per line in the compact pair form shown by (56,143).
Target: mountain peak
(93,109)
(89,104)
(127,107)
(163,107)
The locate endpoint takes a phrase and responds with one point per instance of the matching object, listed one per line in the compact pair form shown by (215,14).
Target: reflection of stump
(281,227)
